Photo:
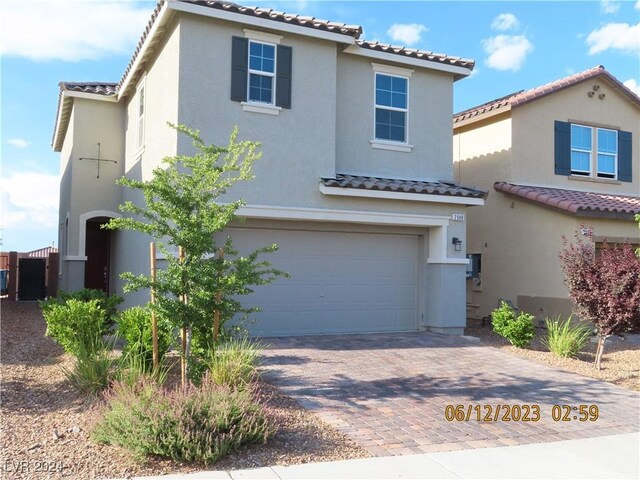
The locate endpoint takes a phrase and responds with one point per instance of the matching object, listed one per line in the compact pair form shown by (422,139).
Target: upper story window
(261,72)
(595,152)
(391,105)
(140,116)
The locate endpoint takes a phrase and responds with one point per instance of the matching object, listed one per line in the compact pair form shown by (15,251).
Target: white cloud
(637,5)
(507,52)
(618,36)
(18,142)
(70,30)
(632,85)
(407,33)
(29,200)
(505,21)
(609,6)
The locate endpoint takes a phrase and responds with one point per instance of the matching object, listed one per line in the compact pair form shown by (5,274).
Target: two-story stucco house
(557,159)
(356,180)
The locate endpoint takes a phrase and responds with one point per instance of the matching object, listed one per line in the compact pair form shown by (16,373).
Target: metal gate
(31,278)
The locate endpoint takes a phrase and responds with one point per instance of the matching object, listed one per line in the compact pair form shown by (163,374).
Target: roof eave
(65,104)
(260,22)
(457,71)
(407,196)
(483,116)
(590,213)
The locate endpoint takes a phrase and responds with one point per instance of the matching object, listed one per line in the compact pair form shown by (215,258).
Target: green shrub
(564,339)
(234,362)
(75,324)
(519,330)
(94,367)
(108,303)
(194,424)
(134,325)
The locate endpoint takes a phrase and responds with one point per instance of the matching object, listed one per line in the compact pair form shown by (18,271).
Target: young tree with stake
(181,211)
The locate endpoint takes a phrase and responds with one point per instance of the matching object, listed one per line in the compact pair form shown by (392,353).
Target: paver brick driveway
(389,392)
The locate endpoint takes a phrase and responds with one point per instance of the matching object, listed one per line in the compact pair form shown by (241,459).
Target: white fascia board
(448,261)
(343,216)
(260,22)
(63,106)
(91,96)
(414,197)
(415,62)
(161,19)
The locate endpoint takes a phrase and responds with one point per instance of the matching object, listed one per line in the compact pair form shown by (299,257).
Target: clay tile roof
(419,54)
(301,20)
(524,96)
(403,186)
(267,13)
(586,204)
(100,88)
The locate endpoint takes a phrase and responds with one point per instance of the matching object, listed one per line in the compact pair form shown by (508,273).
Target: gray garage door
(340,282)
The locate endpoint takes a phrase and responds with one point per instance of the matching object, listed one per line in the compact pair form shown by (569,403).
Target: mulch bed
(620,364)
(46,425)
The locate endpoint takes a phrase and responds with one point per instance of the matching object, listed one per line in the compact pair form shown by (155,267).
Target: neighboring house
(355,183)
(558,158)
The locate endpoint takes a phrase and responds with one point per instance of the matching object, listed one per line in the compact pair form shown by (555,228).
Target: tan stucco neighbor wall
(520,241)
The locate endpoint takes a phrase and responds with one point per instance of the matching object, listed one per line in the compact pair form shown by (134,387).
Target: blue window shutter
(562,148)
(239,68)
(625,167)
(283,77)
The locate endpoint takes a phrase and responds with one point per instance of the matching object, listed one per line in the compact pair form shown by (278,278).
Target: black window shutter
(239,68)
(283,77)
(562,148)
(625,168)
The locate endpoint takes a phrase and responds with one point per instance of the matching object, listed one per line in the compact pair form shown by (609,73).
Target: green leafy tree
(181,212)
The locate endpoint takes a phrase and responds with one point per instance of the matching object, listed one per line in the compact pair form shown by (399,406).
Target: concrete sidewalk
(615,456)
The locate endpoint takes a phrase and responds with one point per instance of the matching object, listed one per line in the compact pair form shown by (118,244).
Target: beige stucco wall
(161,81)
(429,113)
(533,134)
(81,192)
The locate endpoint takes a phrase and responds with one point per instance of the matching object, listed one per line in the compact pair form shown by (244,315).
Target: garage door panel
(340,282)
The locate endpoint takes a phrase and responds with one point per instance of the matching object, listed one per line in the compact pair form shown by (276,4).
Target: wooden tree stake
(216,312)
(183,332)
(154,320)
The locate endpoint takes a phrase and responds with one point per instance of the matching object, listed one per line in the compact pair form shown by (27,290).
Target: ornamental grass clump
(519,330)
(234,362)
(564,339)
(201,423)
(94,366)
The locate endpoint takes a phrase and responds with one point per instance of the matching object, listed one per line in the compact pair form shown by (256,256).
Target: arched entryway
(95,241)
(98,252)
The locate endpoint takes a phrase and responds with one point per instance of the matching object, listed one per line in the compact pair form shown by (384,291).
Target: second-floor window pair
(594,149)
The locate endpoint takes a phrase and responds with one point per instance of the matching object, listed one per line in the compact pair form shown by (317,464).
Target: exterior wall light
(457,244)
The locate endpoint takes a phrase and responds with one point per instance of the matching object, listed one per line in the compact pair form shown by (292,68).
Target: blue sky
(516,45)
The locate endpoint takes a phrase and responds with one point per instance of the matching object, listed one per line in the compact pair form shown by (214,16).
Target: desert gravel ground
(620,364)
(45,426)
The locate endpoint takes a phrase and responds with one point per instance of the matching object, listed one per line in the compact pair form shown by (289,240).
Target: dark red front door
(98,248)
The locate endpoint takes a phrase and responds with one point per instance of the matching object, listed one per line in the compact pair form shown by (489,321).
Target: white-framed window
(594,151)
(262,72)
(391,107)
(140,110)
